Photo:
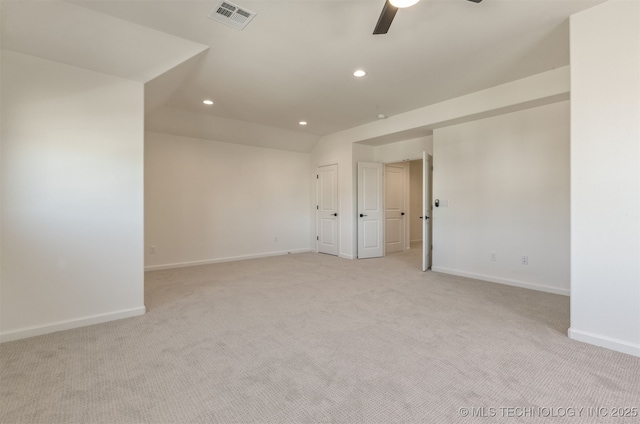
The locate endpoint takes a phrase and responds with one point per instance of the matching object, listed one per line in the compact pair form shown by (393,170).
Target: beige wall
(506,182)
(605,176)
(72,197)
(209,202)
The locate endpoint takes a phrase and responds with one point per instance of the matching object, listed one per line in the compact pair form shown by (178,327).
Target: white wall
(506,181)
(207,201)
(605,176)
(72,192)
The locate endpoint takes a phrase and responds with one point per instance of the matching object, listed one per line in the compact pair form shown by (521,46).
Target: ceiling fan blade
(385,19)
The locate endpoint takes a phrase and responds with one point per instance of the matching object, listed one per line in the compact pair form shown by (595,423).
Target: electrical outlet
(524,260)
(153,250)
(492,256)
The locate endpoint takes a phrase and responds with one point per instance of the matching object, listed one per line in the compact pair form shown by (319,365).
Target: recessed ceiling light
(302,122)
(208,102)
(359,73)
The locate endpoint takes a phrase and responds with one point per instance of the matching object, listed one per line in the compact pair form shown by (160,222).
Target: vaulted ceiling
(294,61)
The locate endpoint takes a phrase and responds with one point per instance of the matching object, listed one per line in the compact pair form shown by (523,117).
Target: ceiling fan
(389,12)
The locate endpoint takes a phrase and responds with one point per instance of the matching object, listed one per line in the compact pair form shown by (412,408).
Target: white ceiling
(77,36)
(295,60)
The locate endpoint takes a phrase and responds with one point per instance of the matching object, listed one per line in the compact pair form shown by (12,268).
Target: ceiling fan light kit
(389,11)
(403,3)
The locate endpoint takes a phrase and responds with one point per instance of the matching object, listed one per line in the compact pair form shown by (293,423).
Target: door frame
(317,249)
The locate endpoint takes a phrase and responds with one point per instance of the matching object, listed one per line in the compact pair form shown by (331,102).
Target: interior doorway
(403,182)
(415,204)
(394,208)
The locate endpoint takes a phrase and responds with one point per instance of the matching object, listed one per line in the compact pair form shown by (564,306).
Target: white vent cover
(231,14)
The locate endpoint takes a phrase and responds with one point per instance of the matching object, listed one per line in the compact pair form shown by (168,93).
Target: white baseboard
(342,255)
(39,330)
(522,284)
(604,341)
(220,260)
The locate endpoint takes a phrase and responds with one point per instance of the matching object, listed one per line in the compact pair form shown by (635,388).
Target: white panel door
(370,210)
(328,209)
(427,173)
(395,176)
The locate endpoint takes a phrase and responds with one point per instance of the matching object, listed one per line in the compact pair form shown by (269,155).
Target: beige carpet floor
(311,338)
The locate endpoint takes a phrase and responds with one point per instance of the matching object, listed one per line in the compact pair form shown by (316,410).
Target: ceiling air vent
(231,14)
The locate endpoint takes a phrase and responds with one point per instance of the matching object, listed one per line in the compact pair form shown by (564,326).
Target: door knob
(335,214)
(361,215)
